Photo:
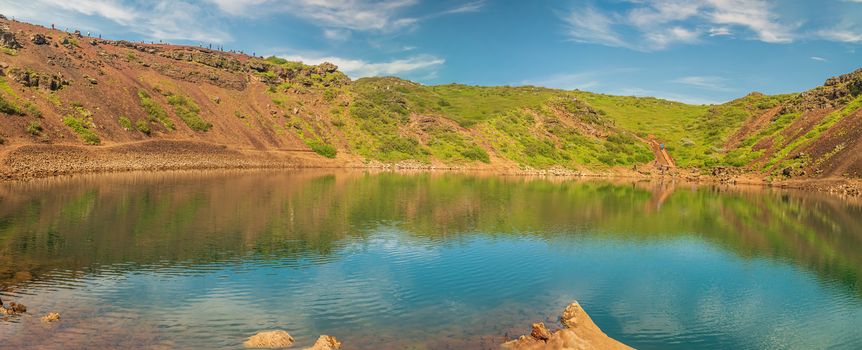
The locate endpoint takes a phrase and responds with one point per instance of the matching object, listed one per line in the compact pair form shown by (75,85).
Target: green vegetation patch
(322,149)
(143,126)
(125,122)
(82,127)
(154,111)
(189,112)
(34,128)
(9,107)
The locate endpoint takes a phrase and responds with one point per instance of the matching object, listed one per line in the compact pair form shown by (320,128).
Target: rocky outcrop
(269,340)
(38,39)
(206,58)
(325,342)
(8,40)
(578,332)
(136,47)
(835,93)
(30,78)
(221,79)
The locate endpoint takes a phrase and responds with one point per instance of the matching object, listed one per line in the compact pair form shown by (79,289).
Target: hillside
(76,104)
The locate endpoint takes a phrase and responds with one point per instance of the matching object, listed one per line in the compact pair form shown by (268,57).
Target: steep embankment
(76,104)
(815,134)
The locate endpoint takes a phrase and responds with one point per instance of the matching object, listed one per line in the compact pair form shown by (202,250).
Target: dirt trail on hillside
(662,157)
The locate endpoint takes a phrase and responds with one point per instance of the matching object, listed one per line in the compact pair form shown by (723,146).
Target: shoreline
(43,161)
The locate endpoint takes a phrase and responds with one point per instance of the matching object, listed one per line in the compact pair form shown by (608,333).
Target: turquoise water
(423,261)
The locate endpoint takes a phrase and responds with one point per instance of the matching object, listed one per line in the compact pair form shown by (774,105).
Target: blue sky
(698,51)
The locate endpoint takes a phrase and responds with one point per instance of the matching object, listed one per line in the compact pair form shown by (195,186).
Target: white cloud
(663,11)
(659,24)
(355,15)
(356,68)
(756,15)
(720,31)
(155,20)
(197,20)
(670,96)
(580,80)
(589,25)
(818,58)
(567,81)
(337,34)
(474,6)
(704,82)
(840,35)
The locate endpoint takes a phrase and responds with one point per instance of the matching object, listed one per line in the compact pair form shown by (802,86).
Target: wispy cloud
(818,58)
(650,25)
(589,25)
(354,15)
(474,6)
(196,20)
(417,66)
(664,95)
(157,20)
(578,80)
(840,35)
(704,82)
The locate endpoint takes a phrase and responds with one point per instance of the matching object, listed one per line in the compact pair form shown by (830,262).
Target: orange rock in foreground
(580,333)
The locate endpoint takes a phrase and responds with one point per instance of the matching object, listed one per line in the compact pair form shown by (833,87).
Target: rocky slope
(73,104)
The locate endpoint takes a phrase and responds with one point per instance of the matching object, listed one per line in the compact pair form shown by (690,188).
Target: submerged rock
(51,317)
(269,340)
(325,342)
(579,332)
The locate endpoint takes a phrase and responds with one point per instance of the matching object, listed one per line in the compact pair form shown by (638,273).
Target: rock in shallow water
(51,317)
(269,340)
(325,342)
(580,332)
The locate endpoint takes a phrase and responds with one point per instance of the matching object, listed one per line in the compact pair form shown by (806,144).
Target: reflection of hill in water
(135,221)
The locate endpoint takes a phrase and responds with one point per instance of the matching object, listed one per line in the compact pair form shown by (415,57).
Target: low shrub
(323,149)
(154,111)
(143,127)
(189,112)
(34,128)
(9,107)
(125,122)
(82,128)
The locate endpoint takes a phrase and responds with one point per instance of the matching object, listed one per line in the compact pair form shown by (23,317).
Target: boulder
(579,332)
(325,342)
(13,309)
(68,43)
(39,39)
(8,40)
(269,340)
(30,78)
(540,332)
(326,67)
